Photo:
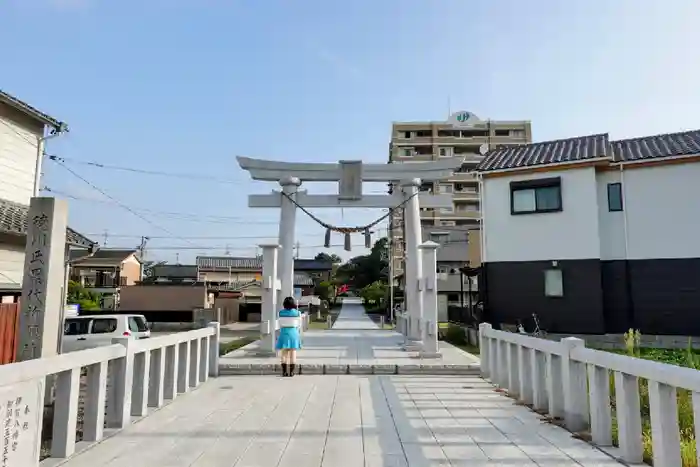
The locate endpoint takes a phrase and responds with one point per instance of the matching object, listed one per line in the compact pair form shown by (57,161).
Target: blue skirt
(289,338)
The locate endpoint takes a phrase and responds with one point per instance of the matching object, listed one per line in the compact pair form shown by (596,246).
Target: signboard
(463,119)
(20,406)
(71,310)
(297,293)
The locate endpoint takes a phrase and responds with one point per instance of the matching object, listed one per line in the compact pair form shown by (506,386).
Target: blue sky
(186,85)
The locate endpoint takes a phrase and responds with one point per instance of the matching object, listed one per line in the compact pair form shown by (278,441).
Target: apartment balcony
(463,177)
(413,141)
(455,215)
(465,195)
(414,157)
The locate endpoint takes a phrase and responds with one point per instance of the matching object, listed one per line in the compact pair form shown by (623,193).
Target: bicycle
(538,332)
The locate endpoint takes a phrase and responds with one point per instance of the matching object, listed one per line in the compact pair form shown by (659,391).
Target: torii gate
(350,176)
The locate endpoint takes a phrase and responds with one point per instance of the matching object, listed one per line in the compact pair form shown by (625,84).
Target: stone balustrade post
(66,413)
(119,400)
(513,369)
(271,286)
(429,334)
(485,349)
(576,415)
(214,350)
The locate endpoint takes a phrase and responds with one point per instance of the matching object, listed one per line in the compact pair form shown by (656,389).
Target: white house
(23,132)
(594,236)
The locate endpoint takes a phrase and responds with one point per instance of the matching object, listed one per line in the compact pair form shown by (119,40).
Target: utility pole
(177,258)
(106,236)
(296,248)
(142,247)
(40,145)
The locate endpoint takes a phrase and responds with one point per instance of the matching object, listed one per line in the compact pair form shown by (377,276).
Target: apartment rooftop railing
(108,386)
(569,381)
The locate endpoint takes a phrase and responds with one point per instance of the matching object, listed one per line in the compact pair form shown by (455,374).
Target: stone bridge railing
(569,381)
(98,389)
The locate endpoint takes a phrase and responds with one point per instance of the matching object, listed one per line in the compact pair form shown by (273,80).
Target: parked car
(86,332)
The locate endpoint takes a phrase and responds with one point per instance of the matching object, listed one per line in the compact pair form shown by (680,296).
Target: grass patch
(456,336)
(684,358)
(226,347)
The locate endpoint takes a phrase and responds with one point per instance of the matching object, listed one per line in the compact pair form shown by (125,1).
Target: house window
(407,134)
(535,196)
(614,197)
(407,152)
(553,283)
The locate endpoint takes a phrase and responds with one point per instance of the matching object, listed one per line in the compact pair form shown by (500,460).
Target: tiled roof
(653,147)
(33,112)
(547,152)
(174,271)
(13,220)
(212,263)
(312,265)
(105,255)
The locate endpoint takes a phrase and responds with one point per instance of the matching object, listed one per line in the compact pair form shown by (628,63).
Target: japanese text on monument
(36,276)
(16,421)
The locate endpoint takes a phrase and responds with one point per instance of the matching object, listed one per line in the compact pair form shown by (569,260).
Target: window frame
(548,293)
(618,186)
(535,184)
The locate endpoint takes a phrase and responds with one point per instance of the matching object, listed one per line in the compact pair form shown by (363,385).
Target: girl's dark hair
(289,303)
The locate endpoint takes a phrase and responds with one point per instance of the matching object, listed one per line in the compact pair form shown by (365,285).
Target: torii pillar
(288,215)
(414,264)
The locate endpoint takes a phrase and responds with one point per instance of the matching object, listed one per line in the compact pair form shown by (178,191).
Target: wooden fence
(9,324)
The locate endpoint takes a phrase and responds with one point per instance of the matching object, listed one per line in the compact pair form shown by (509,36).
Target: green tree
(79,295)
(362,271)
(333,258)
(374,293)
(324,290)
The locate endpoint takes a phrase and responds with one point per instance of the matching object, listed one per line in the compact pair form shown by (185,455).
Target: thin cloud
(341,65)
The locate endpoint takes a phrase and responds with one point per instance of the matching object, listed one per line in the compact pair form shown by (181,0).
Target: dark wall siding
(515,290)
(617,303)
(666,296)
(659,296)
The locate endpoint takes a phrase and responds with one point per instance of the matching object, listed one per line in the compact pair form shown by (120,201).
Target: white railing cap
(152,343)
(40,367)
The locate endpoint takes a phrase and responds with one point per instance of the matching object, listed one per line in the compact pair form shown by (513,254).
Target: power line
(119,203)
(174,215)
(204,237)
(121,168)
(190,177)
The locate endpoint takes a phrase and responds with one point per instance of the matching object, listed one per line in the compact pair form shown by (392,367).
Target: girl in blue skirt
(289,339)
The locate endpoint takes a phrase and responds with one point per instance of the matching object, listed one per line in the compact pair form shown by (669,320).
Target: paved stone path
(352,316)
(348,421)
(354,340)
(360,347)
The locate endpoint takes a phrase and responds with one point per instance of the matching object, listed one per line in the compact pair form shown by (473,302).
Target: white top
(289,321)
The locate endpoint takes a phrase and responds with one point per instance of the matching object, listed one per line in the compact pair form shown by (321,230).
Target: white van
(86,332)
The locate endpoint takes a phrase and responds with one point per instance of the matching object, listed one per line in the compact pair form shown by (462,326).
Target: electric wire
(119,203)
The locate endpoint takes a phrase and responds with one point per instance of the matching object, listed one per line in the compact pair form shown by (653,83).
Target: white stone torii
(350,175)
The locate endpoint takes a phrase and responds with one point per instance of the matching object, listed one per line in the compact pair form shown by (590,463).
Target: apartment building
(416,142)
